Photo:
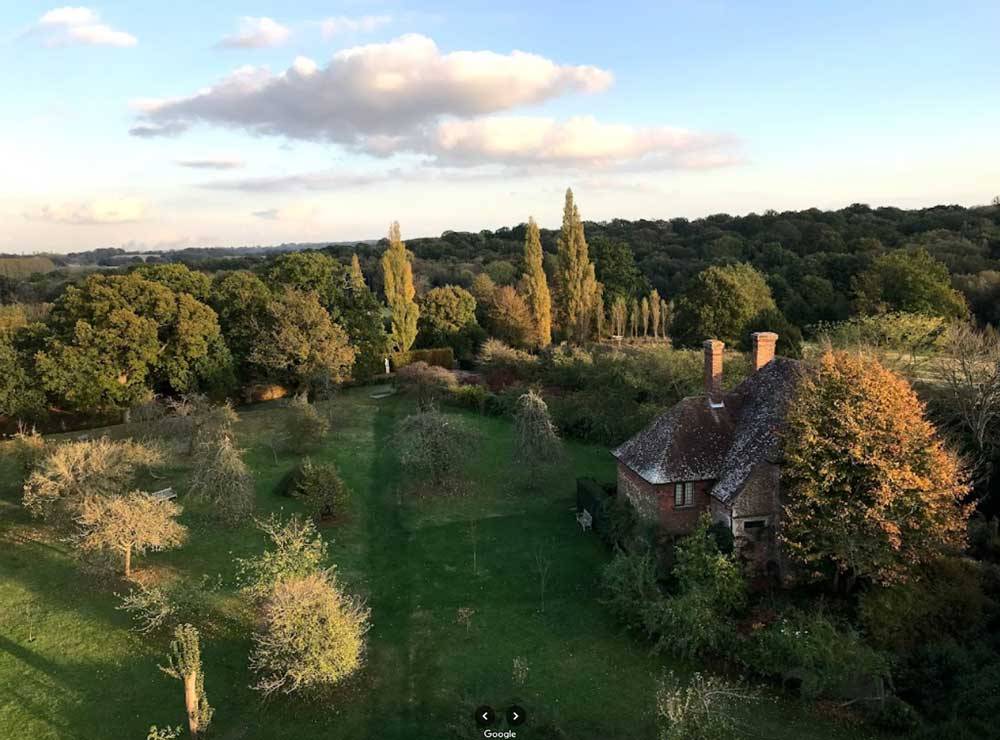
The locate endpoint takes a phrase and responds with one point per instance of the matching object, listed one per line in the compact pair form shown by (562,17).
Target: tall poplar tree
(399,291)
(654,312)
(645,316)
(357,277)
(664,316)
(578,284)
(536,287)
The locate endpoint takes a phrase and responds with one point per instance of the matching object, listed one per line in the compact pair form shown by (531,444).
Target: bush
(439,356)
(705,709)
(473,397)
(428,382)
(305,427)
(223,480)
(824,657)
(433,445)
(322,490)
(629,585)
(536,442)
(296,550)
(155,608)
(311,636)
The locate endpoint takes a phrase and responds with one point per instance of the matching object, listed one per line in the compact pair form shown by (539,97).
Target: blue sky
(185,123)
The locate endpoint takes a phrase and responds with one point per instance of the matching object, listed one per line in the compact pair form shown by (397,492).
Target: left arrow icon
(485,716)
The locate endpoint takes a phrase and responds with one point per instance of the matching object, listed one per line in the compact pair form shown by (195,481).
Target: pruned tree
(74,471)
(305,426)
(296,550)
(134,523)
(870,488)
(536,440)
(399,291)
(433,445)
(707,708)
(311,636)
(184,664)
(222,479)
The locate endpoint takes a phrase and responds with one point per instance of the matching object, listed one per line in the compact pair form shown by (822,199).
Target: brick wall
(656,503)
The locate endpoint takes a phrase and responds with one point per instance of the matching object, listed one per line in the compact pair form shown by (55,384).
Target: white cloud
(372,97)
(78,25)
(212,163)
(257,33)
(331,27)
(581,141)
(322,180)
(298,212)
(100,211)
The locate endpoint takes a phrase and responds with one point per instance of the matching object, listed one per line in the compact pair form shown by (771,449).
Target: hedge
(441,356)
(593,496)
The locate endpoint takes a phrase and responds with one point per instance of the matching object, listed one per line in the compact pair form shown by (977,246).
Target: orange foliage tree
(870,488)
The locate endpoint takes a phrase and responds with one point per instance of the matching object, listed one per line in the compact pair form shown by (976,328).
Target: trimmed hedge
(440,356)
(594,497)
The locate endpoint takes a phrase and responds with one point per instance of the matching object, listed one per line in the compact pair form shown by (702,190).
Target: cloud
(372,98)
(78,25)
(212,163)
(95,212)
(581,142)
(331,27)
(322,180)
(271,214)
(304,211)
(256,33)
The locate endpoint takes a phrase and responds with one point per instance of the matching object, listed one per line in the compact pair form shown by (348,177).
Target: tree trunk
(128,561)
(191,702)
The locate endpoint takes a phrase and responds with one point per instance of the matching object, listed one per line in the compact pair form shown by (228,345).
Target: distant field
(71,668)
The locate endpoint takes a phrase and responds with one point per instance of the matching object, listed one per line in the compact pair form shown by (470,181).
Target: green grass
(71,668)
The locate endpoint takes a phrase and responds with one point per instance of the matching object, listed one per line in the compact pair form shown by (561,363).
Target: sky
(152,125)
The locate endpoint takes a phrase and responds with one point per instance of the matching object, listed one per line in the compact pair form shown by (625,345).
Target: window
(754,524)
(683,494)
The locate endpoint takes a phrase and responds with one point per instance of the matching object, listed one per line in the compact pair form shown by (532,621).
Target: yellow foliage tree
(871,490)
(399,291)
(536,287)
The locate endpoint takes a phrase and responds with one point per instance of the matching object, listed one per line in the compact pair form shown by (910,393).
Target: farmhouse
(717,453)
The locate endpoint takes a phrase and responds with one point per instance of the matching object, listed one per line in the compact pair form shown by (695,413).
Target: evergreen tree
(577,279)
(399,291)
(536,287)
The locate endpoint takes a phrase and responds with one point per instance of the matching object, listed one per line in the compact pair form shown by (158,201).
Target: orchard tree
(321,489)
(311,636)
(720,303)
(75,471)
(128,524)
(871,489)
(577,279)
(399,291)
(222,479)
(300,345)
(296,550)
(305,426)
(184,664)
(910,281)
(536,440)
(432,445)
(535,287)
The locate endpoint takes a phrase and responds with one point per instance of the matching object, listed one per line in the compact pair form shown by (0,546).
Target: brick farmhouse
(718,453)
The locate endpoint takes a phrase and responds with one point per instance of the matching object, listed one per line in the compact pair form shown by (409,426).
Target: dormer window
(683,494)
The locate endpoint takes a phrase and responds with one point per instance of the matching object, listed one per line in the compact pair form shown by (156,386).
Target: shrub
(536,441)
(27,448)
(321,489)
(311,636)
(473,397)
(297,550)
(154,608)
(305,427)
(815,650)
(439,356)
(628,583)
(428,382)
(223,480)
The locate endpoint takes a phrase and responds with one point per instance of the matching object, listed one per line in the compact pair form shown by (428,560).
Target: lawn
(71,668)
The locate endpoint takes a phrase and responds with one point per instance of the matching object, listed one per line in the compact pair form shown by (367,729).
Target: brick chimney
(763,348)
(713,370)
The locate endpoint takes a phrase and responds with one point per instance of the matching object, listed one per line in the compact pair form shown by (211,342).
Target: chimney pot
(763,348)
(713,370)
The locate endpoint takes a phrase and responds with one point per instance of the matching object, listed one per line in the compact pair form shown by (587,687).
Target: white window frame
(684,495)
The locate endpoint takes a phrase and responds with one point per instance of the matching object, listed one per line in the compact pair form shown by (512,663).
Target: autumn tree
(184,664)
(654,312)
(179,278)
(720,303)
(510,319)
(644,307)
(871,490)
(74,471)
(634,318)
(432,445)
(357,277)
(300,345)
(619,317)
(222,479)
(535,287)
(128,524)
(536,439)
(311,636)
(399,291)
(664,316)
(577,279)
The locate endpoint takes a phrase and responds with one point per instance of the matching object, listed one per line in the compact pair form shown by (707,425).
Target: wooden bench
(164,494)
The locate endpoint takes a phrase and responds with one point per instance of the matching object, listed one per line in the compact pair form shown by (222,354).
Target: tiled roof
(694,440)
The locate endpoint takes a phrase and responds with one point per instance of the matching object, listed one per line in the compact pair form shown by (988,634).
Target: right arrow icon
(515,716)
